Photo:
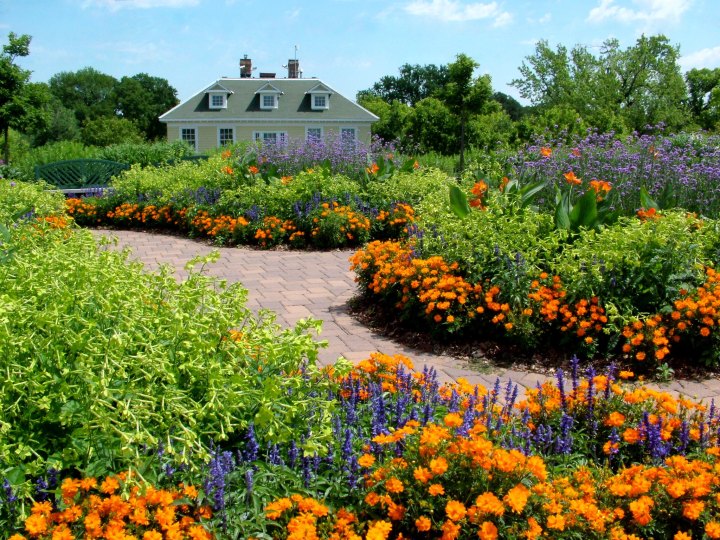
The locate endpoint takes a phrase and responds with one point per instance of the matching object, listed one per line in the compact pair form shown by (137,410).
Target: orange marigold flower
(455,510)
(626,374)
(615,419)
(556,521)
(693,509)
(110,485)
(680,535)
(366,460)
(534,529)
(712,529)
(516,498)
(36,524)
(422,475)
(379,530)
(423,524)
(436,489)
(438,465)
(488,531)
(393,485)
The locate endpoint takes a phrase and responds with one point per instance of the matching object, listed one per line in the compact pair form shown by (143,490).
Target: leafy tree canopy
(87,91)
(142,99)
(414,84)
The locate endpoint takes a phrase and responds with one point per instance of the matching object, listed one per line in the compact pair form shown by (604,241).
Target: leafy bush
(88,385)
(23,201)
(146,154)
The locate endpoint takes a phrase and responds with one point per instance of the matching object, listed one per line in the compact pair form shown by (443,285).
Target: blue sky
(349,44)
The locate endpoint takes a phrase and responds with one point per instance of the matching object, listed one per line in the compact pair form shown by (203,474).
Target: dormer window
(218,101)
(319,97)
(320,101)
(217,96)
(269,101)
(269,97)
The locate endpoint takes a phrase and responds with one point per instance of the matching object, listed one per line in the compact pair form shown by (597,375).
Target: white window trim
(223,95)
(307,132)
(262,100)
(282,136)
(197,133)
(234,135)
(315,107)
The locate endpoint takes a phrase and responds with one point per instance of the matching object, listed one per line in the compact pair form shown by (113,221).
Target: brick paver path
(297,284)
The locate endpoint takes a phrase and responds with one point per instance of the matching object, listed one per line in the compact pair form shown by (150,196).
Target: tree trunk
(462,144)
(6,144)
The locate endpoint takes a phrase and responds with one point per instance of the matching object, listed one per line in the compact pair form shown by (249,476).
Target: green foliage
(87,92)
(107,130)
(145,154)
(103,358)
(142,99)
(23,201)
(627,89)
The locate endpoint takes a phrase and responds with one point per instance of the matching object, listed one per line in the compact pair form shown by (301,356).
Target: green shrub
(100,358)
(20,200)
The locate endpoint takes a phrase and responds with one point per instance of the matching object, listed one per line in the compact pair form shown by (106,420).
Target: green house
(268,109)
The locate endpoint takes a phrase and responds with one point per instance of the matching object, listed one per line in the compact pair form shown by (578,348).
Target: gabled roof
(217,87)
(268,88)
(319,88)
(294,103)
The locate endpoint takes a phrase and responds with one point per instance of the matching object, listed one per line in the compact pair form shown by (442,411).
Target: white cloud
(115,5)
(704,58)
(545,18)
(643,11)
(454,11)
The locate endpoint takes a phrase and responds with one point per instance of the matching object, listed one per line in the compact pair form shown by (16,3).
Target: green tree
(627,89)
(414,84)
(142,99)
(704,96)
(21,102)
(510,105)
(108,130)
(87,91)
(432,127)
(393,117)
(465,95)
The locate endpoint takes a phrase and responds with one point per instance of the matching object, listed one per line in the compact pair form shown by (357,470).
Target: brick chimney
(245,67)
(293,68)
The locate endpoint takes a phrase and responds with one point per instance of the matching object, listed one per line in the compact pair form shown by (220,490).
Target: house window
(217,101)
(189,135)
(320,102)
(268,101)
(226,136)
(271,137)
(313,134)
(348,134)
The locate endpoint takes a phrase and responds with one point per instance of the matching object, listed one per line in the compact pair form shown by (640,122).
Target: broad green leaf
(646,201)
(458,202)
(584,213)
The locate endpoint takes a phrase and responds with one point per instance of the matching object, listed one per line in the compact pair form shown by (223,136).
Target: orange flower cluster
(695,316)
(354,221)
(217,225)
(273,230)
(147,215)
(444,296)
(600,187)
(80,208)
(479,191)
(586,318)
(55,222)
(98,509)
(303,517)
(649,214)
(400,215)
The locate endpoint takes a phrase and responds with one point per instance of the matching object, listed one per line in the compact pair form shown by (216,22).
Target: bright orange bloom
(379,530)
(517,498)
(393,485)
(373,169)
(438,465)
(423,524)
(545,151)
(436,489)
(572,179)
(366,460)
(488,531)
(455,510)
(253,169)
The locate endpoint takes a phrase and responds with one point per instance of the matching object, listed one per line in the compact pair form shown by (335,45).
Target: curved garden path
(296,284)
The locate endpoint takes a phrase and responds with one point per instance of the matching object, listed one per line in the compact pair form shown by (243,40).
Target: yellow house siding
(207,135)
